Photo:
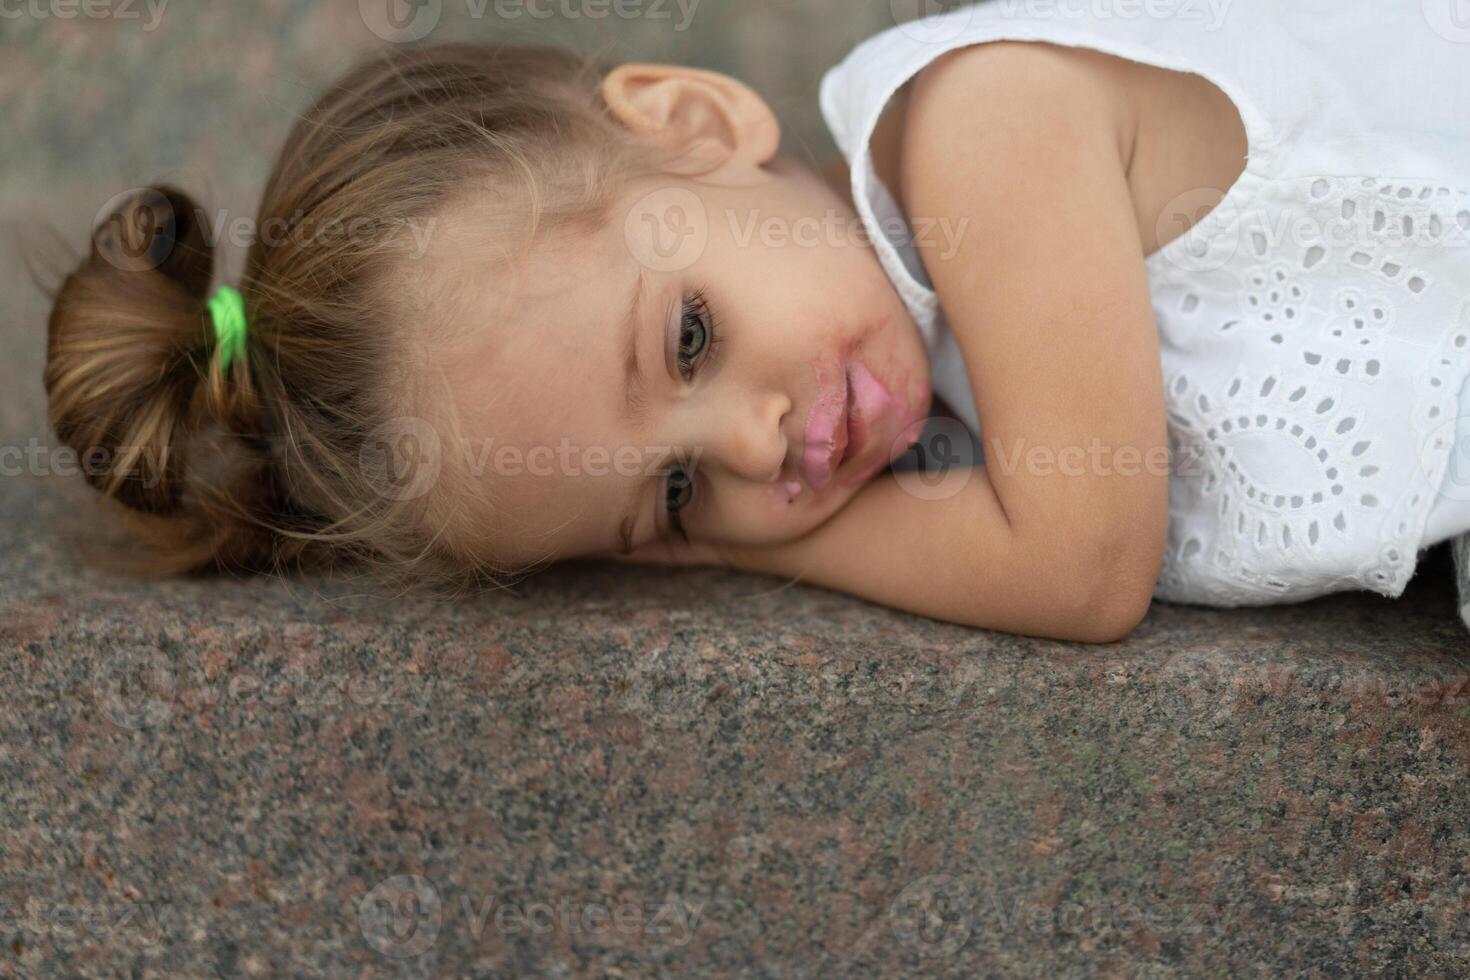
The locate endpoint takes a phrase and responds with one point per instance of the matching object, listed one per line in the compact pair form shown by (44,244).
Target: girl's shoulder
(1005,82)
(1173,131)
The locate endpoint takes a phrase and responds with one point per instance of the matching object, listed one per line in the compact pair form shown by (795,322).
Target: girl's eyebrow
(635,408)
(635,504)
(633,403)
(625,533)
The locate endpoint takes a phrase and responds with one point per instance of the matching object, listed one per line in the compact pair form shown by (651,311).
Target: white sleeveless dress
(1314,327)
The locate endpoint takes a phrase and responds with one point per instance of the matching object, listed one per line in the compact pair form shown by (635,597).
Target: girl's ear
(703,117)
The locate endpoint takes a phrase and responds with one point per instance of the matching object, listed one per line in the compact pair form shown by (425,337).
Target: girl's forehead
(501,277)
(536,366)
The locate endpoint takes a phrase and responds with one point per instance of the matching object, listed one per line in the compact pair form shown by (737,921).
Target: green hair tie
(227,310)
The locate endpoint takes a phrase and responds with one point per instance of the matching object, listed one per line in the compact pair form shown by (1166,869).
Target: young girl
(1201,286)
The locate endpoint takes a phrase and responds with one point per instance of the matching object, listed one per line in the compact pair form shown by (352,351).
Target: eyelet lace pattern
(1313,340)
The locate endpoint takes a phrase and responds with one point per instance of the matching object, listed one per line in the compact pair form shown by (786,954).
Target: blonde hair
(262,464)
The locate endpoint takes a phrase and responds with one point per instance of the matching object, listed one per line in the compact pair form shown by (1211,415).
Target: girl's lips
(826,433)
(875,409)
(841,421)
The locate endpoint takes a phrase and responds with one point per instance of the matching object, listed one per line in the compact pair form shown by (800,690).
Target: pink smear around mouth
(872,401)
(877,413)
(826,423)
(851,410)
(914,415)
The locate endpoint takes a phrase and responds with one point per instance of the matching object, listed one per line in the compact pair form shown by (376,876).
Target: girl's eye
(678,492)
(696,333)
(679,489)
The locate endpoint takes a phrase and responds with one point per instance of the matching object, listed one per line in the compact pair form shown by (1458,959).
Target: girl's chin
(808,511)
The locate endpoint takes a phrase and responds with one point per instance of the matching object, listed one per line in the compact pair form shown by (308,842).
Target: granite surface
(630,772)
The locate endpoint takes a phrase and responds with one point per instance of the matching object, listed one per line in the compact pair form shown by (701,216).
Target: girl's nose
(747,438)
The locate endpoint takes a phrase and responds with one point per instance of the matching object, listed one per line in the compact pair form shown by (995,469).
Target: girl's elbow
(1113,583)
(1122,584)
(1119,614)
